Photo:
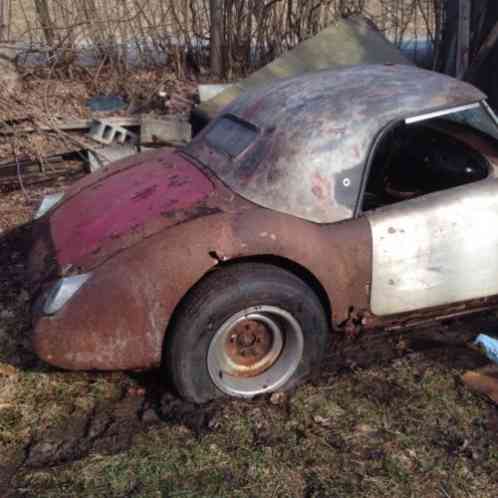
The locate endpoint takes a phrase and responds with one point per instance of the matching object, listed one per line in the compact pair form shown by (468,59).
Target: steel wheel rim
(255,351)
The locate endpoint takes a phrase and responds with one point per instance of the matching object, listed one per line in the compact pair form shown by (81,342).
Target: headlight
(48,202)
(62,292)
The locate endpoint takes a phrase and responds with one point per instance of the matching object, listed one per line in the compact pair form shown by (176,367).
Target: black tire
(223,293)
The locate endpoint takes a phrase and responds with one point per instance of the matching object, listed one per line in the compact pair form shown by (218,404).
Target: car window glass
(231,136)
(478,119)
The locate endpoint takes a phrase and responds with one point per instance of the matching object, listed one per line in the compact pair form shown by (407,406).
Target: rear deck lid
(117,208)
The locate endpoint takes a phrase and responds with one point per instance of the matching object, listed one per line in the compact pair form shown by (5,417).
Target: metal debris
(99,158)
(489,346)
(347,42)
(208,92)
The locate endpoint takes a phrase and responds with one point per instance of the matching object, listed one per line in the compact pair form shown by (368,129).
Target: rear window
(231,136)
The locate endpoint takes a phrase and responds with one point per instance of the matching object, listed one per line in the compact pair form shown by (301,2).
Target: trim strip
(444,112)
(490,111)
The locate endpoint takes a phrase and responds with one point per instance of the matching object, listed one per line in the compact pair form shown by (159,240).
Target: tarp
(348,41)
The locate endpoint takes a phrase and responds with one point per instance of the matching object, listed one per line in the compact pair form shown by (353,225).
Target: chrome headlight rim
(62,292)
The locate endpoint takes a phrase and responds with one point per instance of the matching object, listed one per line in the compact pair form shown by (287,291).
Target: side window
(417,159)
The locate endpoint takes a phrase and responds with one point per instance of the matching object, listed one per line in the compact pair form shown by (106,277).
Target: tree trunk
(216,42)
(45,21)
(484,52)
(463,43)
(4,20)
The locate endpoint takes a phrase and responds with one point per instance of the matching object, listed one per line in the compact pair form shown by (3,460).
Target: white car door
(440,248)
(435,250)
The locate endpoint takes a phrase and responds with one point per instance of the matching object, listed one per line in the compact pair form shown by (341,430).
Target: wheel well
(291,266)
(286,264)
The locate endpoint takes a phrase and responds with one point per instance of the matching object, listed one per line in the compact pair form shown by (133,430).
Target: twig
(19,174)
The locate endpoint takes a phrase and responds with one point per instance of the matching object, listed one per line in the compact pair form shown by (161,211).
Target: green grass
(329,440)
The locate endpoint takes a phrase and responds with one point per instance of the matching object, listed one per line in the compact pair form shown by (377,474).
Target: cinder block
(165,131)
(107,134)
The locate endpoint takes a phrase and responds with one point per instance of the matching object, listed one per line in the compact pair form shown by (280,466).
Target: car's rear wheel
(245,330)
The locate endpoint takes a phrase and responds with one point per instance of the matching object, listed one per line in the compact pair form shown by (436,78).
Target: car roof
(369,90)
(318,130)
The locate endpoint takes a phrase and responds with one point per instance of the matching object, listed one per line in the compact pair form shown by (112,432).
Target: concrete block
(165,131)
(107,133)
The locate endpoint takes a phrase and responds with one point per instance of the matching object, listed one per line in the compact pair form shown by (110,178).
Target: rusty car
(336,202)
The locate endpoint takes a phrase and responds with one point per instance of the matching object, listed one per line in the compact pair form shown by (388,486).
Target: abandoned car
(335,202)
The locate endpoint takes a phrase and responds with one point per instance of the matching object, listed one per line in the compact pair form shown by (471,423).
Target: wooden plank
(70,125)
(463,44)
(27,165)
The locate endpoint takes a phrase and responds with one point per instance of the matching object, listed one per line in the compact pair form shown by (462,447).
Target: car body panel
(119,318)
(121,203)
(438,249)
(316,133)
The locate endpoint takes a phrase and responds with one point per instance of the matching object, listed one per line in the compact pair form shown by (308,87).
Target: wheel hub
(249,347)
(255,351)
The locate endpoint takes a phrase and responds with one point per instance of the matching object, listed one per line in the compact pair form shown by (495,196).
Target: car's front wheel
(245,330)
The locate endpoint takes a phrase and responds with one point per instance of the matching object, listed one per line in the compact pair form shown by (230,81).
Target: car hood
(129,201)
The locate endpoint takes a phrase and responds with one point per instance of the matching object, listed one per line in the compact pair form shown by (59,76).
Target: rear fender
(119,317)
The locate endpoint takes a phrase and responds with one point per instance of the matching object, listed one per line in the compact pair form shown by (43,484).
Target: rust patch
(321,187)
(144,194)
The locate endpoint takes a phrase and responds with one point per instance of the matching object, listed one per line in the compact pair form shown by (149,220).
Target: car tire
(245,330)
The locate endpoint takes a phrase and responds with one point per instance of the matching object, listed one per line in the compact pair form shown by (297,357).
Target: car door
(441,248)
(435,250)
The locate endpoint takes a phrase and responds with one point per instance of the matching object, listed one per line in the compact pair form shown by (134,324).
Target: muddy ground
(388,416)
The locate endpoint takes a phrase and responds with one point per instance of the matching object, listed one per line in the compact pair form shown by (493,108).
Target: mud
(109,429)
